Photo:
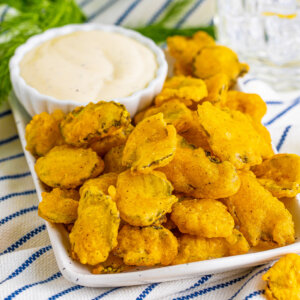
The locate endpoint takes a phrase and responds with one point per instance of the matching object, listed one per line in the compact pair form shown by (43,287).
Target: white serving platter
(80,274)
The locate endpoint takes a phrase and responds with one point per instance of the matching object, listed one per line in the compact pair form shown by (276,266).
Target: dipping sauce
(85,66)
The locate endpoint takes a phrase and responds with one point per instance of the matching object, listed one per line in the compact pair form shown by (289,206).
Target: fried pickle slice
(261,217)
(143,198)
(196,173)
(59,206)
(280,175)
(218,59)
(148,246)
(113,160)
(183,49)
(283,279)
(68,167)
(86,124)
(95,231)
(232,136)
(102,146)
(174,112)
(103,182)
(194,248)
(185,89)
(250,104)
(195,134)
(151,144)
(202,217)
(43,133)
(113,264)
(217,87)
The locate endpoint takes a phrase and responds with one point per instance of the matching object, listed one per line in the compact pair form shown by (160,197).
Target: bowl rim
(36,40)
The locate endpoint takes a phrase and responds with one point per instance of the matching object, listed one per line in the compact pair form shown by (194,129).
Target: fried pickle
(262,218)
(232,136)
(68,167)
(194,248)
(205,218)
(103,182)
(148,246)
(183,49)
(102,146)
(95,231)
(198,174)
(250,104)
(195,134)
(113,160)
(143,198)
(174,112)
(87,124)
(151,144)
(43,133)
(113,264)
(218,59)
(280,175)
(59,206)
(185,89)
(283,279)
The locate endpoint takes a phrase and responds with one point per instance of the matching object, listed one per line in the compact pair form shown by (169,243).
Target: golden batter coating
(59,206)
(103,182)
(104,145)
(261,217)
(203,217)
(217,87)
(174,112)
(250,104)
(218,59)
(151,144)
(195,134)
(199,174)
(194,248)
(43,133)
(280,175)
(283,279)
(143,198)
(113,160)
(147,246)
(113,264)
(184,49)
(95,231)
(232,136)
(86,124)
(68,167)
(185,89)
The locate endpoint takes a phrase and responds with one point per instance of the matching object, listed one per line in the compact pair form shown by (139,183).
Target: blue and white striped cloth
(28,269)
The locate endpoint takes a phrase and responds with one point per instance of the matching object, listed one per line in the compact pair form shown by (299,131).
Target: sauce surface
(86,66)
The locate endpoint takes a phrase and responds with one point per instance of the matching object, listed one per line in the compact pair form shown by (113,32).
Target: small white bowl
(35,102)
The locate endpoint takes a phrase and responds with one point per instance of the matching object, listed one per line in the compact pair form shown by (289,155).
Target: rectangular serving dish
(80,274)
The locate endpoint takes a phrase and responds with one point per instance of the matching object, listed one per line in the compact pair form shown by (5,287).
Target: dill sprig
(162,29)
(31,17)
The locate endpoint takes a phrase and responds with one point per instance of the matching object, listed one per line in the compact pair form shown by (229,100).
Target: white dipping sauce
(89,65)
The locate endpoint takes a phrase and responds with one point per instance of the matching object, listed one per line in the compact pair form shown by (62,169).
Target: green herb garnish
(30,17)
(162,29)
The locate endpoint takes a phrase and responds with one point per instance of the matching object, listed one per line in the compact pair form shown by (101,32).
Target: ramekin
(35,102)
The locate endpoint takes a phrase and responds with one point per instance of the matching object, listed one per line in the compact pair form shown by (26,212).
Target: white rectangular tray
(80,274)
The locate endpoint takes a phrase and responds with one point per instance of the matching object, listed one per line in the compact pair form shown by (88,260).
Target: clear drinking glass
(266,35)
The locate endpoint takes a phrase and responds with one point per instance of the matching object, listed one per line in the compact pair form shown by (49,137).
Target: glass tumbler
(266,35)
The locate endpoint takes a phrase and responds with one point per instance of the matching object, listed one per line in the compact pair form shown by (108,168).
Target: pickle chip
(146,246)
(87,124)
(142,199)
(151,144)
(68,167)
